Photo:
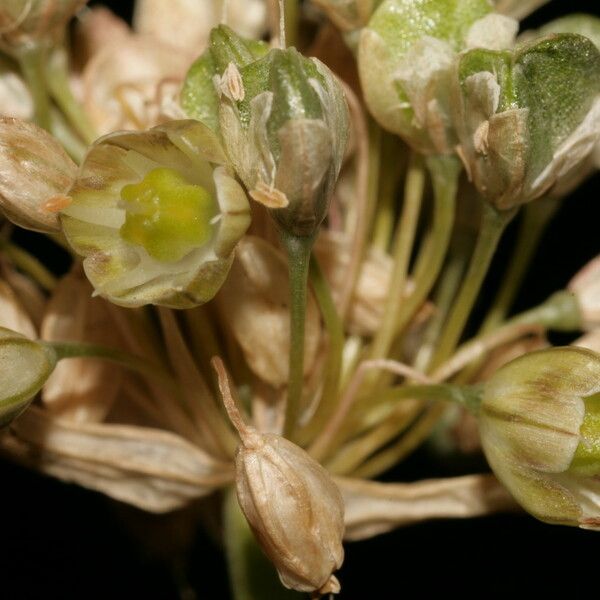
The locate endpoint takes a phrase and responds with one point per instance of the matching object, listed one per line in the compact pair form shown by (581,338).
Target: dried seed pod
(290,501)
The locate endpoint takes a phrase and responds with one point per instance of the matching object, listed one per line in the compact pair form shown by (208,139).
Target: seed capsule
(283,120)
(291,503)
(405,59)
(527,119)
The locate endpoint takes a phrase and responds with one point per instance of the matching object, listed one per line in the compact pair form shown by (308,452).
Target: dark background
(60,541)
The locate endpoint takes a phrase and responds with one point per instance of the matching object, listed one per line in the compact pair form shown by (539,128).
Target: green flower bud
(405,59)
(527,118)
(283,120)
(24,23)
(25,365)
(199,96)
(155,221)
(540,430)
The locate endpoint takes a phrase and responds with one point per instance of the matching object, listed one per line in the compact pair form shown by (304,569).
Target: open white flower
(156,223)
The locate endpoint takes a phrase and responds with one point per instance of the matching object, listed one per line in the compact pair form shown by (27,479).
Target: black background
(60,541)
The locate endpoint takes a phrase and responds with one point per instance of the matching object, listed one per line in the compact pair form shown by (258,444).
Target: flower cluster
(268,291)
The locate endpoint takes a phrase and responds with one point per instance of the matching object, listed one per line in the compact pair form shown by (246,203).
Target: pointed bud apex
(540,430)
(291,503)
(25,366)
(35,173)
(155,221)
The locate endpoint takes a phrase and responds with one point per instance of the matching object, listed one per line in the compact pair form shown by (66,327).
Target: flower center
(166,215)
(586,461)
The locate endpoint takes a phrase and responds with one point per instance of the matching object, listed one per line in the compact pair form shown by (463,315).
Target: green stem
(536,216)
(298,250)
(134,363)
(494,223)
(333,367)
(60,89)
(405,237)
(393,165)
(29,264)
(292,22)
(353,454)
(251,574)
(33,66)
(445,171)
(444,295)
(392,455)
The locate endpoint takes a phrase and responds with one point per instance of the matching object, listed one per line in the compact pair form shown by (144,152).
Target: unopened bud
(540,430)
(291,503)
(35,173)
(25,365)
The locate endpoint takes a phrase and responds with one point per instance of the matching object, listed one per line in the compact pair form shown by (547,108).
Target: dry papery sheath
(290,501)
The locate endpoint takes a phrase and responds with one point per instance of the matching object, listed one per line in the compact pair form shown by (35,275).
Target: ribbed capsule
(291,503)
(283,121)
